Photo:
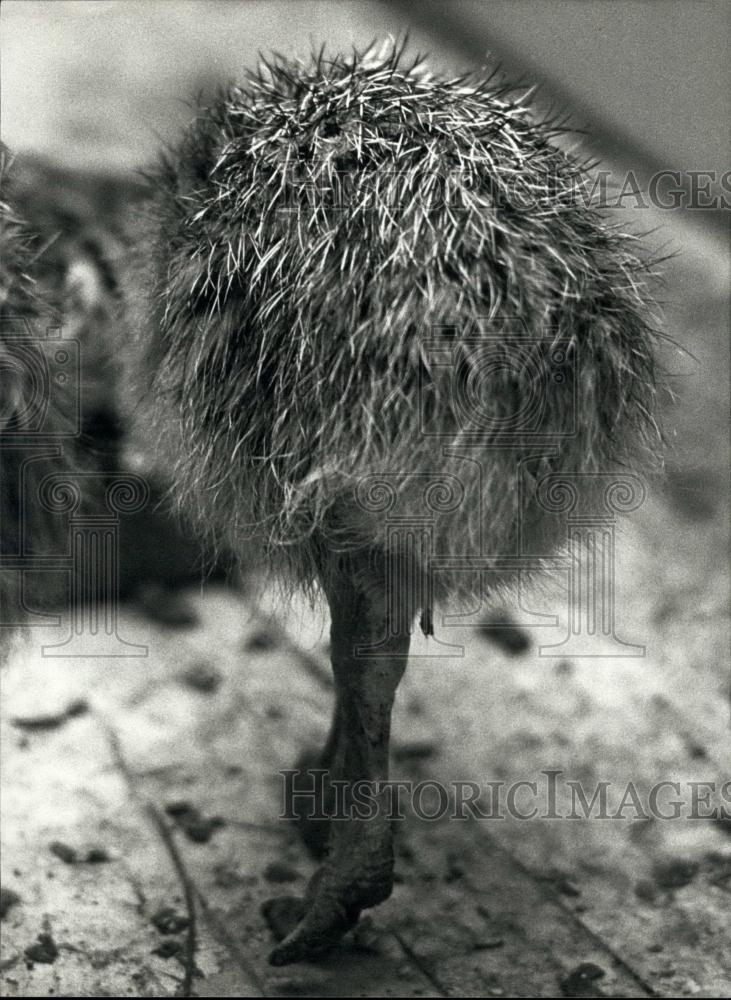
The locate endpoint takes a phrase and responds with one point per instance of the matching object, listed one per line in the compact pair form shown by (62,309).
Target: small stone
(8,899)
(168,949)
(503,632)
(44,951)
(168,921)
(675,874)
(202,676)
(50,720)
(79,706)
(260,642)
(190,820)
(96,856)
(40,722)
(178,808)
(68,855)
(568,888)
(696,751)
(580,982)
(279,871)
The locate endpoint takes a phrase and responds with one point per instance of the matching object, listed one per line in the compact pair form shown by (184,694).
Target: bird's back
(362,274)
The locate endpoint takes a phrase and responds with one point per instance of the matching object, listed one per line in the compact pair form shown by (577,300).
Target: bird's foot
(353,878)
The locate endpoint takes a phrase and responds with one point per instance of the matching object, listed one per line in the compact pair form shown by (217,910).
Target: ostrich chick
(321,239)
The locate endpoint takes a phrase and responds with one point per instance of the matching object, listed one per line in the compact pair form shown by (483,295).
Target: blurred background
(95,83)
(232,688)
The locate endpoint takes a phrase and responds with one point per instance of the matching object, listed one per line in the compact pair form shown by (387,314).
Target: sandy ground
(96,752)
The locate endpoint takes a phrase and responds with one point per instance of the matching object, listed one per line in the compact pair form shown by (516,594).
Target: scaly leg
(358,870)
(312,798)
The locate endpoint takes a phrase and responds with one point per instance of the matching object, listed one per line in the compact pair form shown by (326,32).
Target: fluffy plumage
(23,309)
(321,237)
(56,234)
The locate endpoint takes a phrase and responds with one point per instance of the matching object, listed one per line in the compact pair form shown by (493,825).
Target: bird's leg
(312,798)
(358,870)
